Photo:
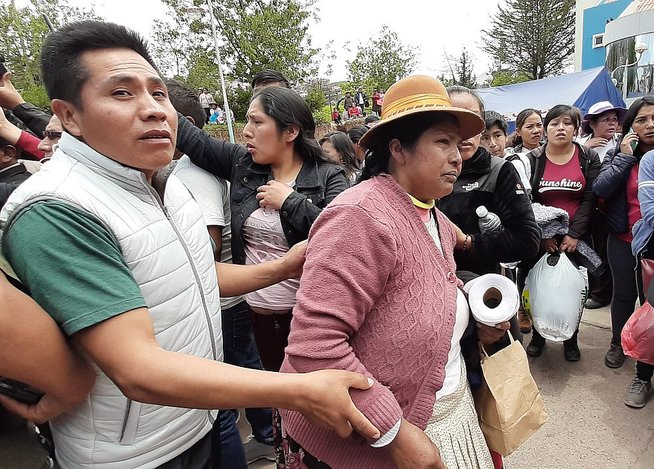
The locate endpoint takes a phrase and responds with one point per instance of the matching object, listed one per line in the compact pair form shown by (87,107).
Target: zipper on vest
(195,272)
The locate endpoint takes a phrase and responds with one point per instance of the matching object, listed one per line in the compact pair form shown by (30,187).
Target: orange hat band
(414,101)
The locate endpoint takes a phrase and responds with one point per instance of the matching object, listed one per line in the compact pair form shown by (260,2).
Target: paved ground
(589,426)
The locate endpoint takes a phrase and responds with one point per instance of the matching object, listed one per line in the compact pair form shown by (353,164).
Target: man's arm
(235,280)
(34,351)
(35,119)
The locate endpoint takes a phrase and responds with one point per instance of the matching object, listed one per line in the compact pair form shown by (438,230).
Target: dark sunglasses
(52,135)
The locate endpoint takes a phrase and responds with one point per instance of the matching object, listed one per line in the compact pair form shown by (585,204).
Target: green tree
(461,70)
(256,34)
(381,62)
(23,31)
(534,38)
(316,98)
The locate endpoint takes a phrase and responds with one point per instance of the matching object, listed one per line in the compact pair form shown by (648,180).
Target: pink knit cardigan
(376,297)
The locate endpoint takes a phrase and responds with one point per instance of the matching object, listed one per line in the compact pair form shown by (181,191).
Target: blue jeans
(231,453)
(241,350)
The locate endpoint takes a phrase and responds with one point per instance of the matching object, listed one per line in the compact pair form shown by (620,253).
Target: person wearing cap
(599,128)
(600,125)
(347,308)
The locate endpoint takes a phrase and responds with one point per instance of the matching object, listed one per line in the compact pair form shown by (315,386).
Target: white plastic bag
(554,296)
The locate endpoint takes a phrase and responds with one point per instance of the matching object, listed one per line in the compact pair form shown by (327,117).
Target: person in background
(642,126)
(355,134)
(624,183)
(370,121)
(346,310)
(361,100)
(528,131)
(51,136)
(269,78)
(23,141)
(600,132)
(563,173)
(339,148)
(377,102)
(205,100)
(494,137)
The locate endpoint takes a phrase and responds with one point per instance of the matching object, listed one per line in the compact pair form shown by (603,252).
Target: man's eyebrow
(129,78)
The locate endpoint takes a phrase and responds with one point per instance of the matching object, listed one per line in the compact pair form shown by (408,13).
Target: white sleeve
(388,437)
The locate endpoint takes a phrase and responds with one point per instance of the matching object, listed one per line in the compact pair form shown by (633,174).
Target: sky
(432,26)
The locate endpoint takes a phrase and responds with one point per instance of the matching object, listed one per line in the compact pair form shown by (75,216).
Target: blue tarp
(580,89)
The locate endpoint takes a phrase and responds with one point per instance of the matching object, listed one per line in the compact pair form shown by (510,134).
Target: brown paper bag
(508,403)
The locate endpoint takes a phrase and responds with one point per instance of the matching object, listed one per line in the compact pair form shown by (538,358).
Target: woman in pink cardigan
(379,295)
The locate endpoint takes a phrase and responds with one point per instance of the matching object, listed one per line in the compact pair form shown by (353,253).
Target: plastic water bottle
(488,223)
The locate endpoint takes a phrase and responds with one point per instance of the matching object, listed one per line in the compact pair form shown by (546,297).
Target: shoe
(535,347)
(637,393)
(614,358)
(255,450)
(571,353)
(524,322)
(592,304)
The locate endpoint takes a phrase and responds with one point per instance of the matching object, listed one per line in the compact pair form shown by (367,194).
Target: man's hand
(273,194)
(548,245)
(489,335)
(412,449)
(568,244)
(293,261)
(324,401)
(596,142)
(9,97)
(48,407)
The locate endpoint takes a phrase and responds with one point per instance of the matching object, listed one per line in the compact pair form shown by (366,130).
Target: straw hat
(600,108)
(418,94)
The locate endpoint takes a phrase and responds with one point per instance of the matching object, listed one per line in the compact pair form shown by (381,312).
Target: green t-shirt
(71,265)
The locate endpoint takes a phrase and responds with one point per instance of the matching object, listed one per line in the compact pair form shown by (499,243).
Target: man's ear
(291,133)
(69,115)
(190,119)
(8,154)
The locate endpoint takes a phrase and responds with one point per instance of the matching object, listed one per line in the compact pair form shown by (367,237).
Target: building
(618,34)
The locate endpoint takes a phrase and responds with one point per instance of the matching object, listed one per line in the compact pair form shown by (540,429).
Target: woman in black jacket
(280,182)
(563,173)
(617,184)
(494,183)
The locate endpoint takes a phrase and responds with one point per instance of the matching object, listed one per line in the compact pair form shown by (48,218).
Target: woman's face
(531,131)
(467,101)
(605,125)
(330,150)
(263,139)
(643,125)
(560,130)
(430,169)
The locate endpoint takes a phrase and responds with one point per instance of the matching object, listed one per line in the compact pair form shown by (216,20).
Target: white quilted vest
(167,248)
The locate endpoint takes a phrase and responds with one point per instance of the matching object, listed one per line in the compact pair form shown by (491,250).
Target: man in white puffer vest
(128,273)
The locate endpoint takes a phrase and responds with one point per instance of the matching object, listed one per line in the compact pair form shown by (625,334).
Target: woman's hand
(627,140)
(489,335)
(596,142)
(48,407)
(549,245)
(569,244)
(273,194)
(412,448)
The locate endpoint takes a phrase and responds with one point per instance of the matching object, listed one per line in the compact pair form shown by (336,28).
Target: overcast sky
(433,26)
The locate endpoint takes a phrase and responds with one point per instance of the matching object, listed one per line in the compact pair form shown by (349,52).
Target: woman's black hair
(355,133)
(520,121)
(631,115)
(287,108)
(561,110)
(407,130)
(344,146)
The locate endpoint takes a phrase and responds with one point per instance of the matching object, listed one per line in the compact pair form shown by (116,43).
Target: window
(598,40)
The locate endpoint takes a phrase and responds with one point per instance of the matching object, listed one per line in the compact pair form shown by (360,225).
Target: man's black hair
(265,77)
(370,119)
(63,73)
(186,102)
(495,118)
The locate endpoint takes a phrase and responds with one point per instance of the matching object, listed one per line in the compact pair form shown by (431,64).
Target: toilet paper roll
(492,298)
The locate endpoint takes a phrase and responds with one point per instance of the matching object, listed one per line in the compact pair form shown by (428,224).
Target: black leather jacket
(316,185)
(35,119)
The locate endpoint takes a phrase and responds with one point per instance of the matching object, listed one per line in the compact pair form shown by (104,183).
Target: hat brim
(470,124)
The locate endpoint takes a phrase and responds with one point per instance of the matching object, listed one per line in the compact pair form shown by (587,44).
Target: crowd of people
(154,274)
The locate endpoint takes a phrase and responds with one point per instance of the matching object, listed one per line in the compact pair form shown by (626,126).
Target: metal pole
(624,79)
(228,113)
